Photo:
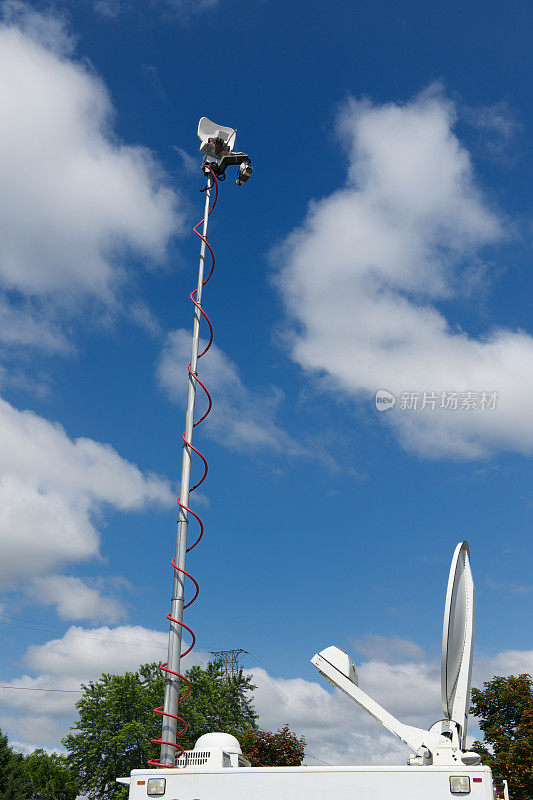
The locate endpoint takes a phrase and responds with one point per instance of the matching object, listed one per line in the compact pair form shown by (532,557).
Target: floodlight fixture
(210,134)
(217,143)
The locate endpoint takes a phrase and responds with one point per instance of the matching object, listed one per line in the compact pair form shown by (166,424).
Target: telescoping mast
(439,768)
(216,144)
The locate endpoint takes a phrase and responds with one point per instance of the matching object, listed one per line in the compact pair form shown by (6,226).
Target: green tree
(13,783)
(112,733)
(216,703)
(116,721)
(505,712)
(266,749)
(38,776)
(6,755)
(49,777)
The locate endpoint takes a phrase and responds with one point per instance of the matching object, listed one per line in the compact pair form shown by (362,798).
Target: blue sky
(384,242)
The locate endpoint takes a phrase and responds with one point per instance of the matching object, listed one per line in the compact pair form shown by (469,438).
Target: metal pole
(170,705)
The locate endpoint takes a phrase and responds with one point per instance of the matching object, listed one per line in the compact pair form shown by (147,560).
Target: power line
(67,632)
(308,755)
(40,689)
(33,621)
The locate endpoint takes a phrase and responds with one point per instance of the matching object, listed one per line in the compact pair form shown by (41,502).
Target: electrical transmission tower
(230,661)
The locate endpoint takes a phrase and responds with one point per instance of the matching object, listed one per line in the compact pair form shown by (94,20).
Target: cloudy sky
(384,243)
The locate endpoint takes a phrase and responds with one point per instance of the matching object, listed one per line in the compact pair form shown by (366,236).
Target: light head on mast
(214,138)
(217,143)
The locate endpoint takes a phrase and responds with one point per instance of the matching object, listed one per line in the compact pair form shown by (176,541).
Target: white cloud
(188,6)
(34,728)
(241,418)
(41,530)
(498,124)
(110,8)
(51,487)
(28,325)
(26,749)
(508,662)
(387,648)
(48,29)
(40,451)
(182,8)
(75,201)
(189,163)
(75,198)
(85,654)
(507,586)
(363,276)
(336,729)
(75,600)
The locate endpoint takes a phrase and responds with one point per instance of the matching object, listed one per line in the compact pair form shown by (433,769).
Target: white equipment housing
(440,770)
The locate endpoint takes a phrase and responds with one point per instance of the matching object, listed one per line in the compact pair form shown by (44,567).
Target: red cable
(156,762)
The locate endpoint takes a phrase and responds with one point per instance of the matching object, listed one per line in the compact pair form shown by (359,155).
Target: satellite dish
(210,130)
(458,640)
(445,741)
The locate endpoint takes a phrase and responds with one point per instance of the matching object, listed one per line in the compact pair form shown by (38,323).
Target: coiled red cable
(156,762)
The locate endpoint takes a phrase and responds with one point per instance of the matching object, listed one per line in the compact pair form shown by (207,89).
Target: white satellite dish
(210,130)
(458,640)
(444,742)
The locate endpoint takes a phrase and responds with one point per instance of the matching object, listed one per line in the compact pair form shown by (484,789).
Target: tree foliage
(112,733)
(15,785)
(116,721)
(5,758)
(266,749)
(49,776)
(505,711)
(38,776)
(11,774)
(217,704)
